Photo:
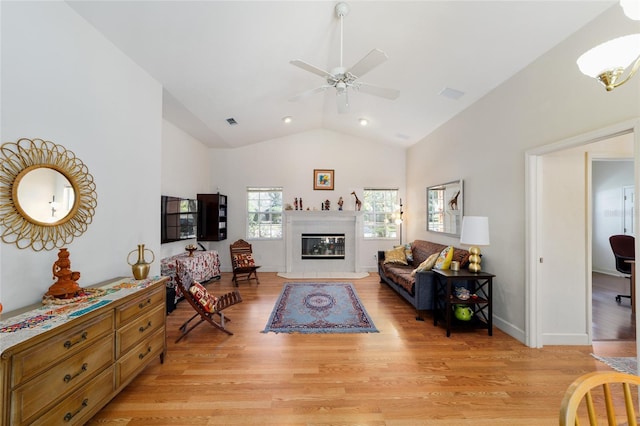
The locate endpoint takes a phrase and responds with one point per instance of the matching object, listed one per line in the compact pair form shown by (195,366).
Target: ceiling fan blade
(309,92)
(383,92)
(311,68)
(342,98)
(369,62)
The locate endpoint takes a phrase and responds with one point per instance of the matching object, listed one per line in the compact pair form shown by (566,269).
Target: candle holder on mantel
(66,286)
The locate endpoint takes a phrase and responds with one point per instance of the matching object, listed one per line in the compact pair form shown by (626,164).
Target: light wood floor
(408,374)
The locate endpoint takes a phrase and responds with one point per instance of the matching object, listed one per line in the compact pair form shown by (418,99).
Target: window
(264,213)
(381,209)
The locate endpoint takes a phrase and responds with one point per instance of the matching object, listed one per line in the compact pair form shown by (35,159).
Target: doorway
(559,236)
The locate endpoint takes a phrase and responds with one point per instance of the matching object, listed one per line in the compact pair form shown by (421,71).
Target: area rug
(622,364)
(319,308)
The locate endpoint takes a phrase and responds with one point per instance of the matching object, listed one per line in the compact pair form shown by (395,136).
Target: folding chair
(242,262)
(207,310)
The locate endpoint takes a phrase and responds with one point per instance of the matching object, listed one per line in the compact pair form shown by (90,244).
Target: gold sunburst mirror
(47,195)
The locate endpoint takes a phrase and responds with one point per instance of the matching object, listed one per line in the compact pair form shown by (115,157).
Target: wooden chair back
(243,271)
(595,397)
(239,247)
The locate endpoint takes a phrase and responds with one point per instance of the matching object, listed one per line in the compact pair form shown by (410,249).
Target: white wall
(185,173)
(62,81)
(289,162)
(609,177)
(548,101)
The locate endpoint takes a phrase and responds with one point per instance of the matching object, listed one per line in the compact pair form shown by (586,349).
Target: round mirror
(44,195)
(47,195)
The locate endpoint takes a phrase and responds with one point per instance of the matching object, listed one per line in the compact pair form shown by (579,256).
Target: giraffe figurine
(358,202)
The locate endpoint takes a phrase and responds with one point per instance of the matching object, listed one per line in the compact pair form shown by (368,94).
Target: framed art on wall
(323,179)
(445,208)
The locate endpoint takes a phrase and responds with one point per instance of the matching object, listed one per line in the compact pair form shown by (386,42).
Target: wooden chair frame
(245,273)
(223,303)
(581,390)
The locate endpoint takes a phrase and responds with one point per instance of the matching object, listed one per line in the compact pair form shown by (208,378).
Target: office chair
(623,247)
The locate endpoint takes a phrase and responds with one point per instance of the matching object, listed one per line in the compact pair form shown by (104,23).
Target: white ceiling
(223,59)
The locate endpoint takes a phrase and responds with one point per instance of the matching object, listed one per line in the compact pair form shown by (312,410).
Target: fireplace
(322,246)
(322,224)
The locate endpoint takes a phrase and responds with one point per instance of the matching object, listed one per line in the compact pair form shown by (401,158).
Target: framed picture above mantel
(323,179)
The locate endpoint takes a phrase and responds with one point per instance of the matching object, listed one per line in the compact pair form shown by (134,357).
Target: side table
(444,297)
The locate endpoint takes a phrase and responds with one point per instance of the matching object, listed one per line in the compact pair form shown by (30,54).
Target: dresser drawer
(31,361)
(139,328)
(140,305)
(138,357)
(80,406)
(36,394)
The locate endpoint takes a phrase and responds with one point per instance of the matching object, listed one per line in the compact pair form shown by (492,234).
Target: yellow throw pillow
(397,256)
(445,258)
(407,252)
(427,265)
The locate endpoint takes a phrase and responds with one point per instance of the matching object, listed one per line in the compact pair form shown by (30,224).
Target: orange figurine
(66,286)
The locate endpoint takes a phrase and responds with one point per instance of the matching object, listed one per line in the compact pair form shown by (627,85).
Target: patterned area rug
(319,308)
(622,364)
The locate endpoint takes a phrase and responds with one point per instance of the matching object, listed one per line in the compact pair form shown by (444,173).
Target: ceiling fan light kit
(343,79)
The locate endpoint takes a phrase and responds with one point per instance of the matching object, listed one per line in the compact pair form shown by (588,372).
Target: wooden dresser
(76,358)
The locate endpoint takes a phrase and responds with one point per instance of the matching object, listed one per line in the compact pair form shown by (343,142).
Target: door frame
(533,209)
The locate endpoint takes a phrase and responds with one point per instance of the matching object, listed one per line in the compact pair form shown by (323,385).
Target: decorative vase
(141,268)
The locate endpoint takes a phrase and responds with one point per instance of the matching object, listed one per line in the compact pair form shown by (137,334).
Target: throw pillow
(407,252)
(397,256)
(427,265)
(444,260)
(243,260)
(202,296)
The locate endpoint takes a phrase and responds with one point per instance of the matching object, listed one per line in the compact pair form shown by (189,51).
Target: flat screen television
(178,219)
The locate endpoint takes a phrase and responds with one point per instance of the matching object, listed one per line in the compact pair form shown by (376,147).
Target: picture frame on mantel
(323,179)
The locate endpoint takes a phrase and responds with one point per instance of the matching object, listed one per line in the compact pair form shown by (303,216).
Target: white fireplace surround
(298,222)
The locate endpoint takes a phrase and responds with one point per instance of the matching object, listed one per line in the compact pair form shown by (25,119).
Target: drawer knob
(69,377)
(143,304)
(141,356)
(69,416)
(142,329)
(69,343)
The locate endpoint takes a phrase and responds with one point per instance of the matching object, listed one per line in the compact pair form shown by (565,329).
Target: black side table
(444,297)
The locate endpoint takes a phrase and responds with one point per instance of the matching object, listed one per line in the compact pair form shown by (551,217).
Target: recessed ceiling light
(363,121)
(287,119)
(450,93)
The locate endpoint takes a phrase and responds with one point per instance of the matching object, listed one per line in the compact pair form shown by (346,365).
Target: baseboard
(323,275)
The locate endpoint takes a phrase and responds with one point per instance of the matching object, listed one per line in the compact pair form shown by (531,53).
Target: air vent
(232,121)
(450,93)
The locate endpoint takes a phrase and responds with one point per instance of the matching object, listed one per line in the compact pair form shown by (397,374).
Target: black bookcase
(212,217)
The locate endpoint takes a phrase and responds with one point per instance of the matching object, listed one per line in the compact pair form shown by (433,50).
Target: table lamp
(475,232)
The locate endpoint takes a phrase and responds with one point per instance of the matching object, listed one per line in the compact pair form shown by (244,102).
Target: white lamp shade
(620,52)
(631,8)
(475,231)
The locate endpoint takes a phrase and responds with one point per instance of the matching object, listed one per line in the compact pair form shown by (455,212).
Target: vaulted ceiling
(230,59)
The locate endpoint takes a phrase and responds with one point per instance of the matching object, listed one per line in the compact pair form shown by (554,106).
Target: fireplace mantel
(298,222)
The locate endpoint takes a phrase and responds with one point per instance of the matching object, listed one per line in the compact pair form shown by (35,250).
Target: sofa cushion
(401,275)
(423,249)
(427,265)
(444,259)
(407,251)
(396,256)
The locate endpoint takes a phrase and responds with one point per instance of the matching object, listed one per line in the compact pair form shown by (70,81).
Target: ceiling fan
(343,79)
